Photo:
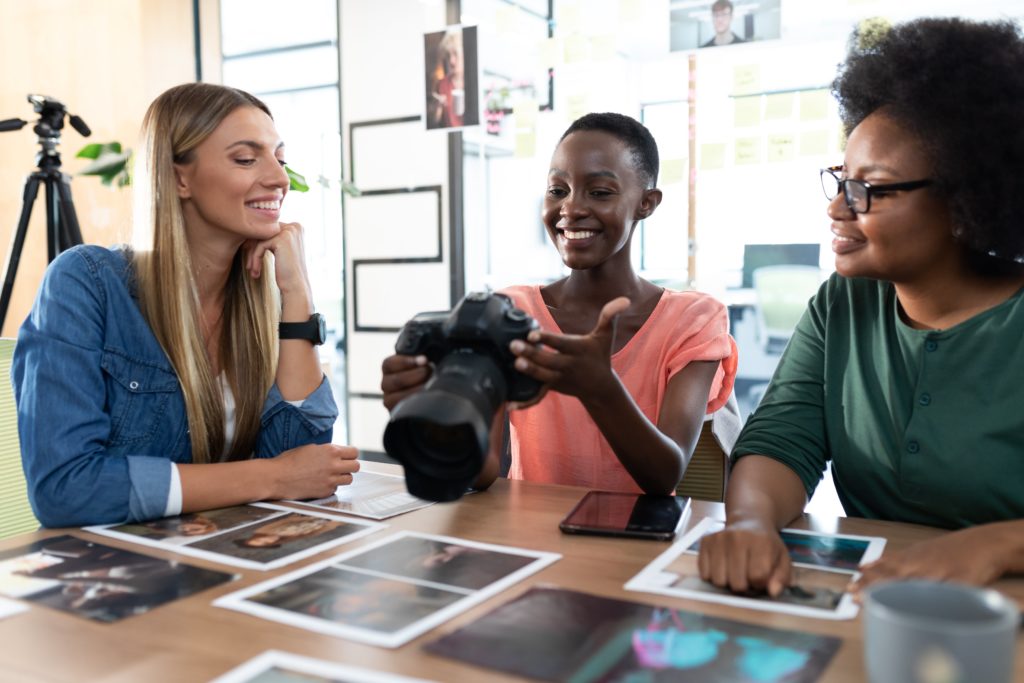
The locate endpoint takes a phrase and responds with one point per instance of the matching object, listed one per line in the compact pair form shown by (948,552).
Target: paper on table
(260,536)
(9,608)
(274,665)
(371,494)
(823,565)
(391,591)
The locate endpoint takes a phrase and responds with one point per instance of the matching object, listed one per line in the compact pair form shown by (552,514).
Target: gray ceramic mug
(929,632)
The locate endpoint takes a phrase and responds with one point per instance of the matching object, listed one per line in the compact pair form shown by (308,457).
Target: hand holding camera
(441,419)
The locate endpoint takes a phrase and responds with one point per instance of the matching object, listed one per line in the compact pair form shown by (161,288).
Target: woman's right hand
(313,471)
(745,556)
(403,375)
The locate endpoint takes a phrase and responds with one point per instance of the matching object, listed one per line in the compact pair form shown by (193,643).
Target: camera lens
(441,435)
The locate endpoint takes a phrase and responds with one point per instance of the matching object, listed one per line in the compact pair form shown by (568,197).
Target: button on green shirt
(922,426)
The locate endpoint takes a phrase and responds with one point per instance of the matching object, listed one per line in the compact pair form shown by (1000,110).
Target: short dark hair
(636,136)
(720,5)
(958,87)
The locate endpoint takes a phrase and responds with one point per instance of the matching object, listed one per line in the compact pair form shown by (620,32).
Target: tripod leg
(70,233)
(28,198)
(52,219)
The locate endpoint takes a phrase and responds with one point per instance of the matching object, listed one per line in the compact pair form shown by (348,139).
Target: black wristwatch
(313,330)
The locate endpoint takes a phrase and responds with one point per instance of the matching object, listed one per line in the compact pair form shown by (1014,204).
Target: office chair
(782,294)
(706,474)
(15,512)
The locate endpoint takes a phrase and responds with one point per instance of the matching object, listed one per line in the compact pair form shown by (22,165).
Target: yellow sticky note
(747,111)
(778,106)
(525,111)
(747,151)
(631,10)
(602,48)
(813,143)
(507,18)
(577,106)
(550,51)
(672,171)
(712,156)
(781,147)
(526,143)
(746,79)
(577,48)
(569,17)
(813,105)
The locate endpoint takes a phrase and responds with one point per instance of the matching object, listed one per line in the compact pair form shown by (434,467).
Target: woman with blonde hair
(182,375)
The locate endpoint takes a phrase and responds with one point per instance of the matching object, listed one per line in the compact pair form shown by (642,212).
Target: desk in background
(190,640)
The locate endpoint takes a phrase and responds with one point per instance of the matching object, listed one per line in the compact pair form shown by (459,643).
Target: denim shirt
(101,414)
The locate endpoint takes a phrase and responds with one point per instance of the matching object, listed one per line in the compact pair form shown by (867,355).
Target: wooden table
(189,640)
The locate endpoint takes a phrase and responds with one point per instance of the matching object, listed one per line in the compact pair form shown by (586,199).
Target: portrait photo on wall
(720,23)
(451,80)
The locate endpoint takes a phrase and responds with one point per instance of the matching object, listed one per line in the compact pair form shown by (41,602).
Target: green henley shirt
(922,426)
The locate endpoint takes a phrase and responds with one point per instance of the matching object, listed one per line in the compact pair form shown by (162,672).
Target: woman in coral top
(631,368)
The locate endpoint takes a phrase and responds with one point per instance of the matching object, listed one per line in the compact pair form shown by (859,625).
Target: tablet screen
(626,514)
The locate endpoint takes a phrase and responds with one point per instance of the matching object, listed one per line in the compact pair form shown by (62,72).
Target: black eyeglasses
(857,193)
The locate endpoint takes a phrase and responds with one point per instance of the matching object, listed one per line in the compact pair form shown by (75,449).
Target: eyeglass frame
(869,189)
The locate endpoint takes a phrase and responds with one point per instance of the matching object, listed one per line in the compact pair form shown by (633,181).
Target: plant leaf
(108,163)
(98,149)
(297,181)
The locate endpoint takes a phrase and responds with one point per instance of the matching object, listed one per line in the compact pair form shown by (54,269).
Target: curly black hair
(958,87)
(635,134)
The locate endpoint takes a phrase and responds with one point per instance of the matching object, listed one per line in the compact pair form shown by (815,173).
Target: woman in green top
(906,371)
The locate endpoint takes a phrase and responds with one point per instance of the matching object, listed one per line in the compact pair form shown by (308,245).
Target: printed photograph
(810,587)
(373,495)
(260,537)
(188,528)
(278,538)
(451,83)
(359,600)
(436,561)
(389,592)
(820,573)
(98,582)
(697,24)
(274,666)
(836,552)
(559,635)
(842,553)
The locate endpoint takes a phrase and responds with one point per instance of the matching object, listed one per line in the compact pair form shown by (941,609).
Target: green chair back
(782,296)
(15,513)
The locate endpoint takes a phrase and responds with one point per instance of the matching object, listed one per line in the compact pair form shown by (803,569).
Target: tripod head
(51,120)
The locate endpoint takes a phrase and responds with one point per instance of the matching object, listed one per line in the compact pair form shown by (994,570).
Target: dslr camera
(441,434)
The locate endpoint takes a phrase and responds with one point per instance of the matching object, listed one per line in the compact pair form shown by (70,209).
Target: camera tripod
(62,230)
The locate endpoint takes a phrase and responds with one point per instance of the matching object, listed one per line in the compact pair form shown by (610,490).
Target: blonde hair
(175,124)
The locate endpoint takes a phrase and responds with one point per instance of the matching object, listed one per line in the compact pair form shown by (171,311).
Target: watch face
(321,326)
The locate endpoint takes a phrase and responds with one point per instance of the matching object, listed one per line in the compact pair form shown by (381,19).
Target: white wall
(382,78)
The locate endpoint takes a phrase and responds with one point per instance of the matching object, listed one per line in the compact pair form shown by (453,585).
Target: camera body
(442,433)
(480,323)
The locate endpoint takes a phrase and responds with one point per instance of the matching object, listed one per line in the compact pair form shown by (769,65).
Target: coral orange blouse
(557,442)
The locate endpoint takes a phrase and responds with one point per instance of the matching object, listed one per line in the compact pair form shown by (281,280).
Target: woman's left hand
(974,556)
(577,365)
(289,259)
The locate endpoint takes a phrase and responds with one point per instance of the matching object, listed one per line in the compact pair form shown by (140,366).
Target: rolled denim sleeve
(63,419)
(285,426)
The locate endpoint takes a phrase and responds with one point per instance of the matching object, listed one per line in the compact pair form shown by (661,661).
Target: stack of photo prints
(823,566)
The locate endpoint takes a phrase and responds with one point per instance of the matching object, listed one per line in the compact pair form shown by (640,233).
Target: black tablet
(635,515)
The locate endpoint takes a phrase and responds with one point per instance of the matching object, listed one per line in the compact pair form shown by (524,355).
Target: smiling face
(907,235)
(232,184)
(594,198)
